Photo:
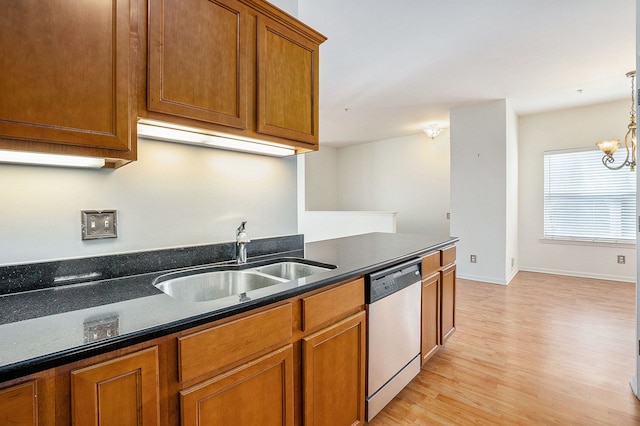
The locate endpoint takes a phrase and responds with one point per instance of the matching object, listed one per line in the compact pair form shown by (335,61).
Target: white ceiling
(391,68)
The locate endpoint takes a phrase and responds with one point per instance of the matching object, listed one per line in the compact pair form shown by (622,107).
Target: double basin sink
(218,282)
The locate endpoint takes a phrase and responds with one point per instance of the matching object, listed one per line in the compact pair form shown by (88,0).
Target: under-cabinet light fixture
(40,159)
(190,136)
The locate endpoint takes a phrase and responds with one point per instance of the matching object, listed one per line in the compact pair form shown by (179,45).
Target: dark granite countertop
(44,328)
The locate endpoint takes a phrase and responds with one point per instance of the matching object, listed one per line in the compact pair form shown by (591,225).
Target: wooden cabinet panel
(448,256)
(198,60)
(232,68)
(430,316)
(332,304)
(287,83)
(430,264)
(66,77)
(257,393)
(448,303)
(18,404)
(333,374)
(122,391)
(219,346)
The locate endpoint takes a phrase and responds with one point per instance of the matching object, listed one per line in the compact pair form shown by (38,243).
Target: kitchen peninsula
(63,343)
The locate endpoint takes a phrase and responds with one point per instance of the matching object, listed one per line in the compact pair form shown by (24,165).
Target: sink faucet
(241,243)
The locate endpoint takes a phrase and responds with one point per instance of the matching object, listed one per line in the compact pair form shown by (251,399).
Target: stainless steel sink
(290,270)
(218,282)
(199,287)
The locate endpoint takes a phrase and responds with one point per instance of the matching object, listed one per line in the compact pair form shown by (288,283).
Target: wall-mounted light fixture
(40,159)
(156,130)
(609,147)
(432,131)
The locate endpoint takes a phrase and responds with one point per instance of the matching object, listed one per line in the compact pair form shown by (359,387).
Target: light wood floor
(545,350)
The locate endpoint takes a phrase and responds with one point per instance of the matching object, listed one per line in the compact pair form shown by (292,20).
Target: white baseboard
(492,280)
(580,274)
(480,278)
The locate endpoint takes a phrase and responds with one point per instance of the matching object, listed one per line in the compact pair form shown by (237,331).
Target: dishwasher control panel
(388,281)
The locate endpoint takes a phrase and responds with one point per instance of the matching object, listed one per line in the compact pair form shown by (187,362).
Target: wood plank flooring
(544,350)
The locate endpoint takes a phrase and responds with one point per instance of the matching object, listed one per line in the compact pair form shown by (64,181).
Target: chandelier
(432,131)
(609,147)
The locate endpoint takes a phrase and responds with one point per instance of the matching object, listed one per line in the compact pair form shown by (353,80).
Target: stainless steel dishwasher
(393,332)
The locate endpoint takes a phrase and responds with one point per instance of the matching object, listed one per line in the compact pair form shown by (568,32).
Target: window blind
(585,201)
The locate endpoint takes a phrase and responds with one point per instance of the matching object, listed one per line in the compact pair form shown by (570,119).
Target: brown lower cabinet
(296,362)
(18,404)
(430,316)
(257,393)
(448,297)
(438,300)
(333,362)
(123,391)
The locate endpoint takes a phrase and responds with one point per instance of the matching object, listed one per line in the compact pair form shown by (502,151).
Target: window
(585,201)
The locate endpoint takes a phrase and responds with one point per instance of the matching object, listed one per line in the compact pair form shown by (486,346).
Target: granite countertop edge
(51,360)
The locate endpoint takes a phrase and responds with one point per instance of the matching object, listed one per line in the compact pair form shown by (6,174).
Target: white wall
(634,379)
(479,197)
(174,195)
(289,6)
(321,179)
(324,225)
(319,217)
(498,206)
(409,175)
(512,196)
(564,129)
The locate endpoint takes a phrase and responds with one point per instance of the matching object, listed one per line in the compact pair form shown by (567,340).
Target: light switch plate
(97,224)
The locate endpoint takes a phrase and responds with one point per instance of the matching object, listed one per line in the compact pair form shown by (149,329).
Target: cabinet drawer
(430,264)
(332,304)
(18,404)
(447,256)
(216,347)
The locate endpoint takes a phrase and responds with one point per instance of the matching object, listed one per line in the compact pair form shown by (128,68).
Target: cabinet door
(257,393)
(66,76)
(333,362)
(198,59)
(287,83)
(122,391)
(448,303)
(18,405)
(430,316)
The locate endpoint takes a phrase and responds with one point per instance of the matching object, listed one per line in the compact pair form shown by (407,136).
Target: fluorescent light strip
(186,136)
(36,158)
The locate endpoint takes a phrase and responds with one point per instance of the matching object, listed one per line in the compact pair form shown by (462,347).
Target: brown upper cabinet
(233,67)
(77,79)
(287,83)
(67,79)
(198,57)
